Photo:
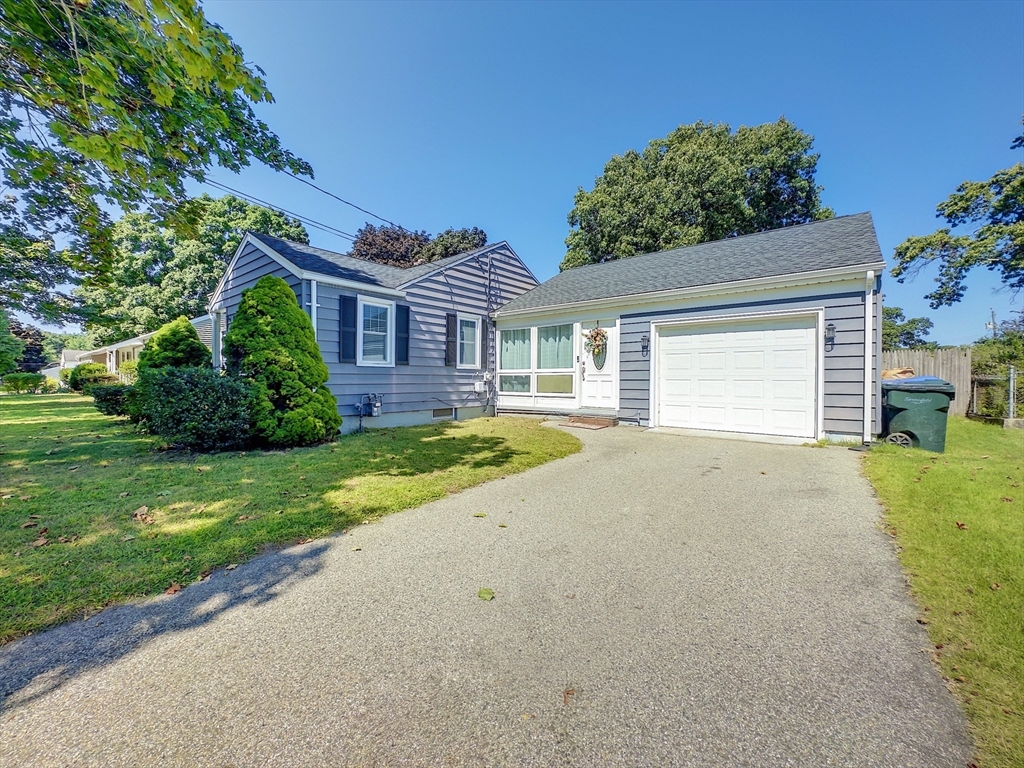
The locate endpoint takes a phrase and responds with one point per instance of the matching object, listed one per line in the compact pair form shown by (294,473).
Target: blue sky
(492,114)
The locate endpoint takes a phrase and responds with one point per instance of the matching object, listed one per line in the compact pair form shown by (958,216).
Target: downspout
(869,347)
(215,338)
(313,306)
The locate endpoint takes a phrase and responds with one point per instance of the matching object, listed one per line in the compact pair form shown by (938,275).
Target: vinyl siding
(251,265)
(844,363)
(474,287)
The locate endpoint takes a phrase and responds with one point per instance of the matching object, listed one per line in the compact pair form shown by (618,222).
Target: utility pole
(992,325)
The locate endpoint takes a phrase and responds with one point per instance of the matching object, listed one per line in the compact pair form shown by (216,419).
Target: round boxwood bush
(196,408)
(111,399)
(271,343)
(175,345)
(86,374)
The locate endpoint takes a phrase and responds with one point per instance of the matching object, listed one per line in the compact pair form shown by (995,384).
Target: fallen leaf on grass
(7,496)
(479,514)
(128,537)
(485,593)
(35,517)
(1007,499)
(24,498)
(230,567)
(72,469)
(961,526)
(29,524)
(995,585)
(173,589)
(187,557)
(304,541)
(985,457)
(502,525)
(42,541)
(142,515)
(572,691)
(122,494)
(245,518)
(357,549)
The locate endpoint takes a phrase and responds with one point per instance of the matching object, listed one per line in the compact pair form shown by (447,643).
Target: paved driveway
(661,600)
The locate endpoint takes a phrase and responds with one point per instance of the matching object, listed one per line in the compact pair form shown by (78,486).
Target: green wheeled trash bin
(914,411)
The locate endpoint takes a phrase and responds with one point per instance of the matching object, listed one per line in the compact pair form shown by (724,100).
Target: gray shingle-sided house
(416,340)
(774,334)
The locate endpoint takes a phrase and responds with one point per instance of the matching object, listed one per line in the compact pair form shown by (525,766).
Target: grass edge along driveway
(93,513)
(958,522)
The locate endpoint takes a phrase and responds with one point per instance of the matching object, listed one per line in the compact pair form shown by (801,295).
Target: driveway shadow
(39,664)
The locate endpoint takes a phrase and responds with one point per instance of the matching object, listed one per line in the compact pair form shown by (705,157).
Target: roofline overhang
(736,286)
(476,252)
(354,285)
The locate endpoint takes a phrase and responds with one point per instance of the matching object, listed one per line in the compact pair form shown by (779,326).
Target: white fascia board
(718,289)
(352,285)
(201,320)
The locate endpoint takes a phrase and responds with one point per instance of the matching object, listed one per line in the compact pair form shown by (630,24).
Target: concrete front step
(597,422)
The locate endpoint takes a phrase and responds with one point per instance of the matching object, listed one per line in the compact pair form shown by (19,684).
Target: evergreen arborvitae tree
(33,358)
(271,343)
(175,345)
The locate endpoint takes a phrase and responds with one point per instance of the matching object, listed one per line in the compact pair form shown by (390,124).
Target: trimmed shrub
(65,376)
(85,374)
(111,399)
(129,371)
(175,345)
(51,386)
(23,383)
(197,408)
(271,343)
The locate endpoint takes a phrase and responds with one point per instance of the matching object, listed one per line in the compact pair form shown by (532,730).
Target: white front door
(757,376)
(599,373)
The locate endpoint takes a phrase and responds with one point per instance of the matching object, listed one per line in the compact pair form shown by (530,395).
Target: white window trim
(389,343)
(573,352)
(497,348)
(475,319)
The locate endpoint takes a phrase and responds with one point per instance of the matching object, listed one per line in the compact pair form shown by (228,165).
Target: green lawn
(71,480)
(958,519)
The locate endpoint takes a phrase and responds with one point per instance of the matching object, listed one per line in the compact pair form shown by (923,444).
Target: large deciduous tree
(158,275)
(901,332)
(401,247)
(701,182)
(116,102)
(992,213)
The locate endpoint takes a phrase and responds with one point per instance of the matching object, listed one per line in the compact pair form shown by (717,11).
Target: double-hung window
(469,341)
(555,353)
(376,332)
(514,355)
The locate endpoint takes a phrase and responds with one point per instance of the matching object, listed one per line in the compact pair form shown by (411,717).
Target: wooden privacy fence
(953,365)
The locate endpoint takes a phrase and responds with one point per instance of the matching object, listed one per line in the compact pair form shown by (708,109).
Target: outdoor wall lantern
(830,336)
(645,345)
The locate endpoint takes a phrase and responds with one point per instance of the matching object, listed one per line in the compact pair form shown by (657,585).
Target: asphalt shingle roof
(339,265)
(845,241)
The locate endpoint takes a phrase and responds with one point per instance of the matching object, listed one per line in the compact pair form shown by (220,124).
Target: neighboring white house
(115,355)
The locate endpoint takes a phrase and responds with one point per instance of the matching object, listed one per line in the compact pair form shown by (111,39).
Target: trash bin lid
(920,384)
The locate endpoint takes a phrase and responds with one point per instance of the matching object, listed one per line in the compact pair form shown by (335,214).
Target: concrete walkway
(660,601)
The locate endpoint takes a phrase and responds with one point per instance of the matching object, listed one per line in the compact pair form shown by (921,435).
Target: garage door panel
(752,376)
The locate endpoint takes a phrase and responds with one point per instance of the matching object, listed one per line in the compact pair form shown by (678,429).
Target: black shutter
(451,346)
(401,334)
(485,344)
(348,329)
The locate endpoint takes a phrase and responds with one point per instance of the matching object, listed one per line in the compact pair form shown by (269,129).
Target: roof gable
(845,241)
(338,265)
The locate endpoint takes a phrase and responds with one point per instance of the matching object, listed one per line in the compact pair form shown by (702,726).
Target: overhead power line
(343,200)
(304,219)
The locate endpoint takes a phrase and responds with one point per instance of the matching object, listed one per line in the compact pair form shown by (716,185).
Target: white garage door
(754,376)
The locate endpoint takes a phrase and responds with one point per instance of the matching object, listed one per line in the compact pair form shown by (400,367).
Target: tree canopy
(900,332)
(54,343)
(401,247)
(158,275)
(992,212)
(112,103)
(702,182)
